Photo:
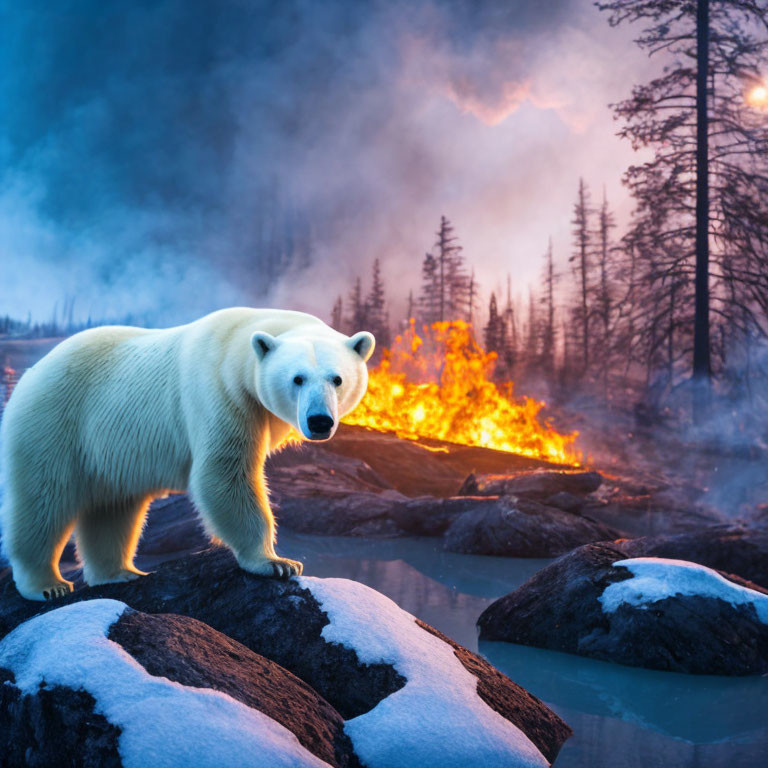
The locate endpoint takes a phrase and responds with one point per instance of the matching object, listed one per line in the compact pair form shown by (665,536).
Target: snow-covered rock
(655,579)
(437,718)
(734,548)
(648,612)
(408,695)
(178,695)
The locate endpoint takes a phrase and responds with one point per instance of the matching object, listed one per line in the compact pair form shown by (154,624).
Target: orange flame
(441,388)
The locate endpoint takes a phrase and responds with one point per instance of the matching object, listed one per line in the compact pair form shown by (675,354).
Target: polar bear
(116,416)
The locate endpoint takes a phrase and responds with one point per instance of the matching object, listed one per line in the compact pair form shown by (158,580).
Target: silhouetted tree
(375,305)
(548,332)
(358,315)
(702,202)
(509,348)
(452,279)
(429,298)
(337,314)
(582,269)
(492,334)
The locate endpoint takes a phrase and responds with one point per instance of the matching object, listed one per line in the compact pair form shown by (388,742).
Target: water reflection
(622,717)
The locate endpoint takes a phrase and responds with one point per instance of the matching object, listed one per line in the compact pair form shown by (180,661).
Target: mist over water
(158,157)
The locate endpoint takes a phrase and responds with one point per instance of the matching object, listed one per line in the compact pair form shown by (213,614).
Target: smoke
(147,143)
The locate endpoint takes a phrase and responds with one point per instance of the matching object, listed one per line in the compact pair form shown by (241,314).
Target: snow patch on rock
(657,578)
(163,723)
(437,718)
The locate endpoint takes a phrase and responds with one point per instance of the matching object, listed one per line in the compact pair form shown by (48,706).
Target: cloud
(159,152)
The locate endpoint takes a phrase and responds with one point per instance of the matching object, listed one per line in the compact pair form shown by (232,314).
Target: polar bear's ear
(363,343)
(263,344)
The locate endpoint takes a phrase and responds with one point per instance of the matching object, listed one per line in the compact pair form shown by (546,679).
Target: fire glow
(440,387)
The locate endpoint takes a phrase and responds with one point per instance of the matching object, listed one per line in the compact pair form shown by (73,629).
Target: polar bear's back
(114,402)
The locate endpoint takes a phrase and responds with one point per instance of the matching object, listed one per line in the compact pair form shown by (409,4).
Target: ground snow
(164,724)
(437,718)
(657,578)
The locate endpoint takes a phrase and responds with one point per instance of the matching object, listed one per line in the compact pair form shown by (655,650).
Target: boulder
(430,516)
(302,471)
(734,548)
(164,698)
(351,645)
(513,527)
(55,725)
(566,501)
(647,612)
(537,485)
(362,513)
(650,514)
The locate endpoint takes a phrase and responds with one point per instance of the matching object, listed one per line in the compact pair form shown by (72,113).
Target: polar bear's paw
(52,591)
(124,574)
(276,567)
(60,589)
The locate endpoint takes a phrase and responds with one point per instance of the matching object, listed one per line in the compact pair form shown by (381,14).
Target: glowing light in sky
(758,97)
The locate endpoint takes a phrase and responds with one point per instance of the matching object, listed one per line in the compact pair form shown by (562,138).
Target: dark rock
(189,652)
(355,514)
(733,548)
(416,467)
(56,726)
(277,619)
(559,609)
(304,471)
(542,726)
(566,501)
(645,515)
(430,516)
(520,528)
(537,485)
(173,525)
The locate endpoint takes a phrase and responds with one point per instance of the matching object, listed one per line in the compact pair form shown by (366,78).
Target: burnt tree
(701,209)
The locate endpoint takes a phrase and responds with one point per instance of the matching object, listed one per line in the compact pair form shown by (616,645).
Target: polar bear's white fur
(115,416)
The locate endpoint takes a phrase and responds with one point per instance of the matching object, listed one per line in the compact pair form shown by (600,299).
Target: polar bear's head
(311,380)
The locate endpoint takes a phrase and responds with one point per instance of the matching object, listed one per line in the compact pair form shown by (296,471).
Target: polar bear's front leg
(233,503)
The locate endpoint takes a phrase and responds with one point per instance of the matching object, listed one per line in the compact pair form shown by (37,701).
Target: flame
(439,386)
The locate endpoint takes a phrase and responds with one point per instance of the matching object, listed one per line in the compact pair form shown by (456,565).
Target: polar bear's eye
(298,380)
(337,381)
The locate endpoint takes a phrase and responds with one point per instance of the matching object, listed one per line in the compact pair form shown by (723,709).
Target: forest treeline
(681,295)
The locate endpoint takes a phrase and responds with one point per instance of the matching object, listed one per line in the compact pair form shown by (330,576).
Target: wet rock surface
(56,726)
(212,625)
(517,527)
(505,516)
(559,608)
(277,619)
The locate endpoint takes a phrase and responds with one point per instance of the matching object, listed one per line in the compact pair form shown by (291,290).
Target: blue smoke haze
(156,156)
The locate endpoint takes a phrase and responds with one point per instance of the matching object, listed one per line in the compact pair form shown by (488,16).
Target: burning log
(440,386)
(534,485)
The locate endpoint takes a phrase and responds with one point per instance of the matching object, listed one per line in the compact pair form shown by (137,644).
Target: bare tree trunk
(701,341)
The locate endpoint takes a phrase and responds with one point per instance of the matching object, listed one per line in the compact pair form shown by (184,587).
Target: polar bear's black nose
(319,423)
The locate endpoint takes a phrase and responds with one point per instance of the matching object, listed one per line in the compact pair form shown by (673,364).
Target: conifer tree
(375,305)
(337,315)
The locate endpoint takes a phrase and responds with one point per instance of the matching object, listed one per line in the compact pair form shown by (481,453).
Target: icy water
(621,717)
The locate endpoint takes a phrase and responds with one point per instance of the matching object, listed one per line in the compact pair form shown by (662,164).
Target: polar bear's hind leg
(107,537)
(35,532)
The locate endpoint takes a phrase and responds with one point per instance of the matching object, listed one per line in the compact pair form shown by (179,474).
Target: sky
(141,140)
